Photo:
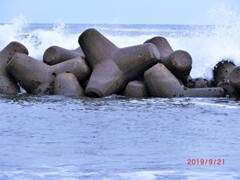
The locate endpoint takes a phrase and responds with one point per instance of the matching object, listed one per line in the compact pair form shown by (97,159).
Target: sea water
(55,137)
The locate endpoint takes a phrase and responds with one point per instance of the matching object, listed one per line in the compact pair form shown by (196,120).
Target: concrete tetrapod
(127,63)
(34,76)
(55,54)
(37,77)
(222,71)
(162,83)
(7,84)
(179,63)
(95,46)
(221,76)
(76,66)
(133,61)
(136,89)
(230,91)
(235,79)
(198,83)
(105,80)
(66,84)
(162,45)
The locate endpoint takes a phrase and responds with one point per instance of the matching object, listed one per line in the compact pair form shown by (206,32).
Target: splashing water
(210,44)
(206,44)
(37,37)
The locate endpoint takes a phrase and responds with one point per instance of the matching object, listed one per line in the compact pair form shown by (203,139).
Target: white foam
(189,175)
(209,46)
(216,105)
(206,44)
(74,173)
(37,41)
(146,175)
(10,32)
(46,172)
(192,175)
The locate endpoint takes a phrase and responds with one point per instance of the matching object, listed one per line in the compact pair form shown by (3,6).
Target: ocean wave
(71,172)
(206,44)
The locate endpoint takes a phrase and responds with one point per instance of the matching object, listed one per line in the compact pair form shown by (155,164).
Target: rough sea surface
(118,138)
(54,137)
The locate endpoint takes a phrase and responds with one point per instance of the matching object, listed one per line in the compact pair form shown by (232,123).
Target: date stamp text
(199,161)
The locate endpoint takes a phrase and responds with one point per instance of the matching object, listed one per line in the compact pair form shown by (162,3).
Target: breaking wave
(207,44)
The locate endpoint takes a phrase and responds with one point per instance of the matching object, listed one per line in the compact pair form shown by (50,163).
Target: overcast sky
(117,12)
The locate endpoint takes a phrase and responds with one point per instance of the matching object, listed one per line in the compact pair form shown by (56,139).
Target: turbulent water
(206,44)
(54,137)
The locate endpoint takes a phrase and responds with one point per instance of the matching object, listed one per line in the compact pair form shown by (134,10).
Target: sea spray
(12,32)
(207,44)
(212,43)
(37,37)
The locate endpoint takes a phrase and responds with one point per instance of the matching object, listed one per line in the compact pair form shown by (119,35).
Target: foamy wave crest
(206,44)
(11,32)
(73,173)
(188,175)
(209,45)
(37,40)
